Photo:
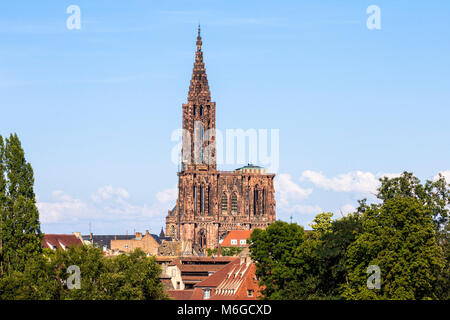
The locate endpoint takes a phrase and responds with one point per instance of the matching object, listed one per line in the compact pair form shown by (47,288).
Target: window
(209,201)
(195,110)
(250,293)
(194,195)
(263,201)
(206,294)
(201,110)
(233,241)
(126,246)
(234,203)
(202,199)
(224,203)
(178,285)
(255,202)
(243,242)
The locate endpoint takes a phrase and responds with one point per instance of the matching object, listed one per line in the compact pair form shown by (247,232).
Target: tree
(278,268)
(131,276)
(433,194)
(397,236)
(2,200)
(20,228)
(38,281)
(333,254)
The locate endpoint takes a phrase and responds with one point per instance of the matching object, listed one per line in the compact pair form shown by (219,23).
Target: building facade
(210,202)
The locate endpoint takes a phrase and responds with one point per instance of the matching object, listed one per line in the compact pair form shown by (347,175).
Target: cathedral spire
(199,89)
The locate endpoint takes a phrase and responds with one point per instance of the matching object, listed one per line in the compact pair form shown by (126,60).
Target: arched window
(201,110)
(194,197)
(249,201)
(195,110)
(173,230)
(224,203)
(210,211)
(202,147)
(263,198)
(234,204)
(255,202)
(202,199)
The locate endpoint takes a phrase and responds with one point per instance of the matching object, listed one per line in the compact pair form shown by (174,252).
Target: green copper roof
(250,166)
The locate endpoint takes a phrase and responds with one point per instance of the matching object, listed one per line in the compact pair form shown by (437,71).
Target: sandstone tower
(211,203)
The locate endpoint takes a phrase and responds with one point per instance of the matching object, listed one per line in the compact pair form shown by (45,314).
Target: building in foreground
(236,280)
(210,202)
(60,241)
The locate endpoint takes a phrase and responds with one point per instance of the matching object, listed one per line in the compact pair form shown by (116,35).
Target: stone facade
(210,202)
(146,242)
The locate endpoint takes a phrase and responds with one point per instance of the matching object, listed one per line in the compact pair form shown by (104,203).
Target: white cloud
(107,203)
(167,195)
(109,192)
(63,208)
(290,196)
(288,190)
(305,209)
(355,181)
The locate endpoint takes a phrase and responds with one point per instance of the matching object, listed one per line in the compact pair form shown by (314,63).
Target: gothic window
(224,203)
(194,196)
(249,201)
(202,199)
(202,147)
(255,202)
(234,204)
(209,201)
(263,198)
(173,230)
(201,110)
(195,110)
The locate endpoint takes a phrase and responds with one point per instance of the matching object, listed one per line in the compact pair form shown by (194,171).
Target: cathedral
(210,202)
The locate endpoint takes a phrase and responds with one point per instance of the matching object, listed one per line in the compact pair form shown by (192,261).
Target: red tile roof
(54,241)
(233,282)
(180,294)
(236,235)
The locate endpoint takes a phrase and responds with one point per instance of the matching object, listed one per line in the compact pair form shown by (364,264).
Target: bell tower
(199,119)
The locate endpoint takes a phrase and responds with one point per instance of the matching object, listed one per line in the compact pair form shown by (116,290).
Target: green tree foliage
(20,234)
(333,254)
(225,252)
(407,235)
(435,195)
(280,265)
(398,236)
(132,276)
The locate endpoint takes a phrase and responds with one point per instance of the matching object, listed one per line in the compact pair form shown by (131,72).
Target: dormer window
(206,294)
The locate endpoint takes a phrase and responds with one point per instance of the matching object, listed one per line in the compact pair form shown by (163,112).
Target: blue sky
(95,107)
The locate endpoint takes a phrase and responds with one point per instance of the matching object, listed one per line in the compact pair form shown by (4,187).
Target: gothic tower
(210,202)
(199,119)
